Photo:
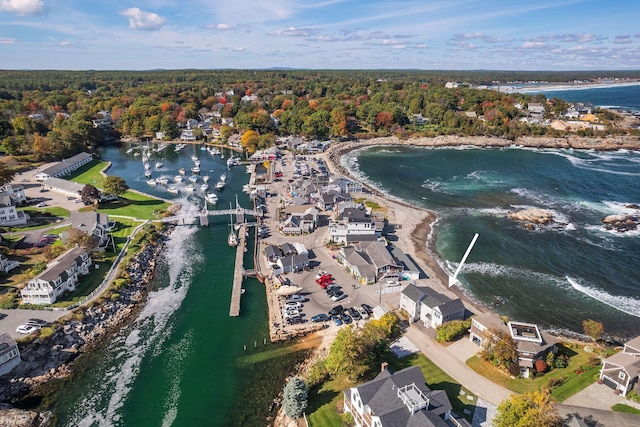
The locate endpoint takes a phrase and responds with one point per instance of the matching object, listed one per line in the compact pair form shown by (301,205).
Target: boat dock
(238,274)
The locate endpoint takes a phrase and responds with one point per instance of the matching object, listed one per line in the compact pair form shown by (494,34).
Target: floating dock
(238,274)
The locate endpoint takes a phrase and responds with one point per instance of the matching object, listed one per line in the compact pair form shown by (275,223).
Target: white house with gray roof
(65,167)
(92,223)
(15,192)
(431,307)
(621,371)
(9,215)
(61,276)
(6,264)
(400,399)
(9,354)
(63,186)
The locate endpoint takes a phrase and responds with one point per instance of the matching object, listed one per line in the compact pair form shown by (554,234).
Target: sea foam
(627,305)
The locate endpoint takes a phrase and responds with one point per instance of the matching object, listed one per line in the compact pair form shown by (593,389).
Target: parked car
(295,320)
(362,312)
(392,283)
(339,297)
(336,319)
(334,291)
(41,205)
(292,304)
(367,308)
(290,313)
(320,318)
(38,323)
(297,297)
(320,274)
(336,310)
(354,313)
(26,329)
(346,319)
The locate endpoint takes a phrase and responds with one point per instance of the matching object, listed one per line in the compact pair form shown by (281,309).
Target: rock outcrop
(621,223)
(533,216)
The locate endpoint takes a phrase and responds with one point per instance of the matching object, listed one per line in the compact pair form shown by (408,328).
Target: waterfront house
(64,168)
(531,343)
(61,276)
(396,400)
(92,223)
(369,262)
(9,354)
(431,307)
(621,371)
(9,215)
(273,253)
(6,264)
(352,226)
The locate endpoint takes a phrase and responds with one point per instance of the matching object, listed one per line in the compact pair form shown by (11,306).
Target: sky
(320,34)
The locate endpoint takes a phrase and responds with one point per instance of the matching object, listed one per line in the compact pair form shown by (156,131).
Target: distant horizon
(75,35)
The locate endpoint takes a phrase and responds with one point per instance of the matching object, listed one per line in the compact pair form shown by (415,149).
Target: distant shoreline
(559,87)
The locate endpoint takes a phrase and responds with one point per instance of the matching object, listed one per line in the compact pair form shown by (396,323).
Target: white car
(26,329)
(41,205)
(290,313)
(292,304)
(363,313)
(320,274)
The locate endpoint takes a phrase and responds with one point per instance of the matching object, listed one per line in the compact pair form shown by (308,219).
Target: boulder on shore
(533,216)
(621,223)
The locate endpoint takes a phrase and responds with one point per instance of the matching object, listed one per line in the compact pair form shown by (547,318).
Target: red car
(327,278)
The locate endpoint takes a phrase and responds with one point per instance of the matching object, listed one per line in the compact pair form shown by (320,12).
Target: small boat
(147,166)
(220,185)
(211,198)
(159,165)
(232,240)
(162,180)
(173,190)
(136,154)
(197,162)
(214,151)
(203,148)
(178,178)
(190,188)
(231,161)
(223,177)
(195,169)
(193,178)
(205,178)
(130,150)
(181,171)
(249,168)
(194,157)
(204,187)
(242,291)
(151,182)
(147,173)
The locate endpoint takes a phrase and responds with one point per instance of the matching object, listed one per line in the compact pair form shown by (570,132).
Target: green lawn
(89,173)
(53,211)
(575,382)
(86,285)
(621,407)
(323,403)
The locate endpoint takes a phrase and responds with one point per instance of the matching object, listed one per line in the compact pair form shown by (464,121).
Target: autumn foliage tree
(593,329)
(535,409)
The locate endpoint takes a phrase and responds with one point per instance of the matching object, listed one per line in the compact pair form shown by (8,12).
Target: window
(621,375)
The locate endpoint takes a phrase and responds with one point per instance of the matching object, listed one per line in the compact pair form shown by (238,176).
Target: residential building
(61,276)
(64,168)
(299,223)
(396,400)
(621,371)
(16,192)
(352,226)
(431,307)
(369,262)
(187,135)
(296,263)
(9,354)
(531,343)
(6,264)
(9,215)
(63,186)
(92,223)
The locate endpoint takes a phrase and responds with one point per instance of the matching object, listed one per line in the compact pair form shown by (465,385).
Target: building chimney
(383,366)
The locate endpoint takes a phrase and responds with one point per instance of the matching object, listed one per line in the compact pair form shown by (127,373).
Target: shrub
(560,362)
(593,361)
(317,373)
(540,366)
(347,418)
(115,296)
(9,300)
(46,332)
(633,395)
(556,382)
(451,330)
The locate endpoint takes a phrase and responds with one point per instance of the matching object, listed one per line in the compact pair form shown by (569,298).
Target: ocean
(616,97)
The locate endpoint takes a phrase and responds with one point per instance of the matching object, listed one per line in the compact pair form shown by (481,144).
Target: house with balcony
(621,371)
(9,354)
(64,168)
(352,225)
(92,223)
(9,215)
(61,276)
(398,399)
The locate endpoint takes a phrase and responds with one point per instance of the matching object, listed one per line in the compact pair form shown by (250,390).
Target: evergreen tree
(294,400)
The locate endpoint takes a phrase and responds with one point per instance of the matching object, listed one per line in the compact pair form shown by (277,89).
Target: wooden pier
(238,274)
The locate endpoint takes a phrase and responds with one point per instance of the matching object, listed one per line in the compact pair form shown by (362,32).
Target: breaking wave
(627,305)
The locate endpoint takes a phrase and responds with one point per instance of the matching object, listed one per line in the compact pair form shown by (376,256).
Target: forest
(46,115)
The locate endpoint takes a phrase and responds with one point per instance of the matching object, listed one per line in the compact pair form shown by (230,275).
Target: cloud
(622,39)
(7,40)
(533,45)
(461,40)
(223,27)
(23,7)
(139,20)
(295,32)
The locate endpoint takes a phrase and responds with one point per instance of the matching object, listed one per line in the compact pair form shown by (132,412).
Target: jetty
(238,273)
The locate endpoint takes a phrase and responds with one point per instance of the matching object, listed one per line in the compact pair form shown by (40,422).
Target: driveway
(11,319)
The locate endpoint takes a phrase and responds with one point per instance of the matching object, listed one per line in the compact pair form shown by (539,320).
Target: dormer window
(621,375)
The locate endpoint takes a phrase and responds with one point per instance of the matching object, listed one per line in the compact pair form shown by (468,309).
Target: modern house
(396,400)
(531,343)
(621,371)
(9,354)
(61,276)
(9,215)
(352,226)
(92,223)
(64,167)
(433,308)
(6,265)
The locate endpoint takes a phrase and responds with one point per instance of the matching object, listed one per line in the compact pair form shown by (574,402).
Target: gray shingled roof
(54,169)
(63,263)
(451,307)
(415,293)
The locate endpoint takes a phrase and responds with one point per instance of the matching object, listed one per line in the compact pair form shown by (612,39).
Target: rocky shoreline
(73,335)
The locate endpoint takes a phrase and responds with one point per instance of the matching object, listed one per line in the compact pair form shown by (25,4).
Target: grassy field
(574,381)
(323,403)
(89,173)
